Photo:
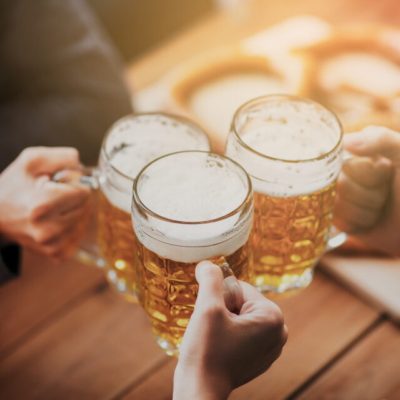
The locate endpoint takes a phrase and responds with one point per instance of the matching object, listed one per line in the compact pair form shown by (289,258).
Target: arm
(61,80)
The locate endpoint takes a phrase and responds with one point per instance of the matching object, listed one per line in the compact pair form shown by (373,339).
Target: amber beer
(292,150)
(130,144)
(187,207)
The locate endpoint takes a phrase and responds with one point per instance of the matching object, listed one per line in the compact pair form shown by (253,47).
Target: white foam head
(134,141)
(200,206)
(289,146)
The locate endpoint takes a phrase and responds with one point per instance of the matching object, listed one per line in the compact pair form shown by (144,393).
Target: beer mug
(292,149)
(187,207)
(128,146)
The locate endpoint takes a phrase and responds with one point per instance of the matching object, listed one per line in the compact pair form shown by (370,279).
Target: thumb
(49,160)
(375,141)
(211,284)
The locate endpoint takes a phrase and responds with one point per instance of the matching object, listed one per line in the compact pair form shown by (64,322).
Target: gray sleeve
(61,79)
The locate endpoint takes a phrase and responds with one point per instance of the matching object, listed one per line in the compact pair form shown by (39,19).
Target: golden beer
(169,291)
(117,245)
(292,149)
(130,144)
(187,207)
(289,236)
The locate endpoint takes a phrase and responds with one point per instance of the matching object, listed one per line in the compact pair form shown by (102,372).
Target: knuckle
(30,155)
(41,237)
(52,251)
(33,157)
(37,212)
(387,136)
(80,193)
(72,153)
(29,152)
(275,318)
(285,335)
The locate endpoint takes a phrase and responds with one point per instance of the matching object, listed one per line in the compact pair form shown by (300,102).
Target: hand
(36,212)
(368,191)
(222,350)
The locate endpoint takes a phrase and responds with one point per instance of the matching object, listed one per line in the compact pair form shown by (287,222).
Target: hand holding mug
(36,212)
(222,350)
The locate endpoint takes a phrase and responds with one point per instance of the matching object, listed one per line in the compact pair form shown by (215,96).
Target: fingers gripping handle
(87,255)
(336,237)
(87,177)
(233,294)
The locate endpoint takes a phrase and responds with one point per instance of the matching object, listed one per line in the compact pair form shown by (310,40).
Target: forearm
(198,385)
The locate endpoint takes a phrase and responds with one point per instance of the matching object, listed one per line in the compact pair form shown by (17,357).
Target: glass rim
(178,118)
(138,202)
(292,98)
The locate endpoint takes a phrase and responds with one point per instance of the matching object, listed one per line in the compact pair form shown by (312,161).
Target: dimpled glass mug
(129,145)
(292,149)
(187,207)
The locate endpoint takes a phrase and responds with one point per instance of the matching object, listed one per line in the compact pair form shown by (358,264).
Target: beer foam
(192,187)
(294,141)
(291,136)
(134,141)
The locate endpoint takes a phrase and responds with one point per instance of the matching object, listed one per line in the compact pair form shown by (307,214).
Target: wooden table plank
(370,371)
(93,351)
(322,321)
(40,292)
(71,341)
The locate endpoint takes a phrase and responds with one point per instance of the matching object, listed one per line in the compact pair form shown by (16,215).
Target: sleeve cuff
(10,257)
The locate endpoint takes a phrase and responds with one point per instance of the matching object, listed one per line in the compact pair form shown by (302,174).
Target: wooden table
(64,334)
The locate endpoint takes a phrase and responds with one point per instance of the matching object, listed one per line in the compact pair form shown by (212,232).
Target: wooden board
(93,351)
(39,293)
(375,279)
(221,29)
(322,321)
(370,371)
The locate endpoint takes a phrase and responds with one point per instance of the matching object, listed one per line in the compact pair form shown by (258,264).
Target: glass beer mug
(292,149)
(187,207)
(128,146)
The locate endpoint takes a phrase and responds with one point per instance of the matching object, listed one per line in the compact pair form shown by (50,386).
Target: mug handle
(337,237)
(89,178)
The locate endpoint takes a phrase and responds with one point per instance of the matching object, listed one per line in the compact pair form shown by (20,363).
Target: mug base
(284,284)
(120,286)
(170,349)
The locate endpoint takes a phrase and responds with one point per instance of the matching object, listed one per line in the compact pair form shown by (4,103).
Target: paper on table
(375,279)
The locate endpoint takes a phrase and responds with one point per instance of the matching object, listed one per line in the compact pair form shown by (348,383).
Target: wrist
(199,384)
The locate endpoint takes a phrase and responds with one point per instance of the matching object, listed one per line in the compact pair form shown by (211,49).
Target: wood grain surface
(93,350)
(322,321)
(370,371)
(64,334)
(42,291)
